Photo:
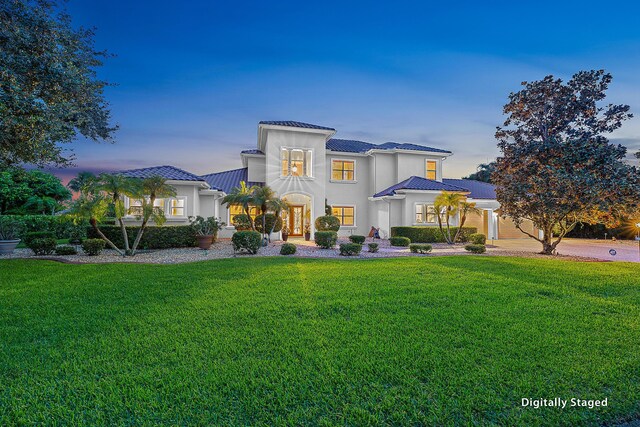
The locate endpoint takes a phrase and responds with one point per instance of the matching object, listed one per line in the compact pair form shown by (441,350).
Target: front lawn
(442,340)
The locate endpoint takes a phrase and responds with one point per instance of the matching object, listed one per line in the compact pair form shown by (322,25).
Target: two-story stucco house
(366,184)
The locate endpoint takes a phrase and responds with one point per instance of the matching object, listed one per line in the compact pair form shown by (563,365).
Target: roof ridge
(230,170)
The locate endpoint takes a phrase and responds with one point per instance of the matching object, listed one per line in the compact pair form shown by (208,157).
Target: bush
(420,248)
(270,220)
(357,239)
(154,237)
(249,241)
(77,235)
(478,238)
(400,241)
(42,245)
(60,225)
(326,239)
(93,247)
(66,250)
(327,223)
(350,249)
(241,222)
(430,234)
(475,248)
(373,248)
(28,238)
(288,249)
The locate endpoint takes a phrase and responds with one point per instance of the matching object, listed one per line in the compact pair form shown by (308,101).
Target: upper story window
(431,169)
(346,214)
(343,170)
(296,162)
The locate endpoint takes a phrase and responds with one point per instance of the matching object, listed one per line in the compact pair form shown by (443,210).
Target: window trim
(424,213)
(305,166)
(354,215)
(426,169)
(346,181)
(229,213)
(167,207)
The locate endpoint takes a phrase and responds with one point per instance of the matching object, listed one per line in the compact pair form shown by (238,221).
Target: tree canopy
(557,166)
(49,90)
(483,173)
(31,192)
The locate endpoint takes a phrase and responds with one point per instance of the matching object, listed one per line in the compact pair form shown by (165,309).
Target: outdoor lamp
(294,168)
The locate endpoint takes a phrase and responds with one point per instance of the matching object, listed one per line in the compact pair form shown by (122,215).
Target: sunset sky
(195,77)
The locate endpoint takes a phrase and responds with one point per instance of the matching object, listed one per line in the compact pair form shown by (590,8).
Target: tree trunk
(548,247)
(94,224)
(124,236)
(462,221)
(145,220)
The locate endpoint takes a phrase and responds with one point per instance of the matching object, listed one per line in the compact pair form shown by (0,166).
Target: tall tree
(557,166)
(49,91)
(483,173)
(81,181)
(31,192)
(152,188)
(242,196)
(447,205)
(116,187)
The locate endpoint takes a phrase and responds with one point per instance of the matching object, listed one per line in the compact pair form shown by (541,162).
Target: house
(366,184)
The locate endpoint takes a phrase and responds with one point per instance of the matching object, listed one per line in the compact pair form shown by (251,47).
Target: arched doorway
(299,215)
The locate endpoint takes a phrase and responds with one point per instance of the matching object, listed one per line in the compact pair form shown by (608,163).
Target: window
(237,210)
(176,206)
(296,162)
(343,170)
(346,214)
(431,169)
(135,207)
(426,214)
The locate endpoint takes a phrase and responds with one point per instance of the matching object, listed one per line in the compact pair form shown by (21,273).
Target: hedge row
(430,234)
(61,226)
(154,237)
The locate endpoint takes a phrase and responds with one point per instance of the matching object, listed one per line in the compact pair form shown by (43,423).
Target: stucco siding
(508,230)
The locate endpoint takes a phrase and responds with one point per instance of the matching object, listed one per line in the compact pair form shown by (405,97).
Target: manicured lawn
(441,340)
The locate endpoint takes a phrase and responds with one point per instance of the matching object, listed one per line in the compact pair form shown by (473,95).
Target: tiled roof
(168,172)
(228,180)
(252,152)
(418,183)
(295,124)
(353,146)
(478,189)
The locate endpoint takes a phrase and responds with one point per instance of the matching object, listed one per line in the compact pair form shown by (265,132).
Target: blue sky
(195,77)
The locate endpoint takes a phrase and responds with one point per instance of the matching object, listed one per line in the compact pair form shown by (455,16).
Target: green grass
(437,341)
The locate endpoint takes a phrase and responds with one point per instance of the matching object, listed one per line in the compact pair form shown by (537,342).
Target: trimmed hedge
(327,223)
(241,222)
(269,221)
(28,238)
(430,234)
(66,250)
(400,241)
(61,226)
(249,241)
(476,249)
(478,238)
(43,245)
(154,237)
(357,239)
(326,239)
(288,249)
(373,247)
(93,247)
(420,248)
(350,249)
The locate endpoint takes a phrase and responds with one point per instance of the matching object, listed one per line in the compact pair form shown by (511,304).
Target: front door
(296,220)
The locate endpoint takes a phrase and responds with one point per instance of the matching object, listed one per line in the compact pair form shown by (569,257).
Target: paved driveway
(625,250)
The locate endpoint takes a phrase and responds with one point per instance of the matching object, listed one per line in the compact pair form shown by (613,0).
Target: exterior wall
(383,171)
(508,230)
(409,165)
(478,221)
(347,193)
(192,204)
(256,168)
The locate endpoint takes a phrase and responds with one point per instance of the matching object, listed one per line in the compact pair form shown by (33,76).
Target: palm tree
(447,203)
(261,198)
(465,208)
(116,188)
(152,188)
(242,196)
(276,205)
(82,181)
(92,206)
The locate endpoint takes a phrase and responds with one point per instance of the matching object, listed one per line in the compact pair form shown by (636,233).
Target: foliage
(328,210)
(66,250)
(373,247)
(272,223)
(10,228)
(77,235)
(450,204)
(249,241)
(61,226)
(484,172)
(478,238)
(242,196)
(326,239)
(420,248)
(50,91)
(399,241)
(355,238)
(93,247)
(419,234)
(288,249)
(350,249)
(206,227)
(557,166)
(31,192)
(241,222)
(29,237)
(84,181)
(165,237)
(327,223)
(476,248)
(42,245)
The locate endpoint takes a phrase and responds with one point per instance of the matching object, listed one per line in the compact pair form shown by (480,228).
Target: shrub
(249,241)
(288,249)
(270,220)
(326,239)
(400,241)
(154,237)
(77,235)
(241,222)
(350,249)
(373,248)
(42,245)
(60,226)
(93,247)
(475,248)
(478,238)
(66,250)
(327,223)
(420,248)
(10,228)
(28,238)
(430,234)
(357,239)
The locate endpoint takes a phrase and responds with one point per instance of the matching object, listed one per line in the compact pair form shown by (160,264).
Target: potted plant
(307,232)
(206,230)
(9,234)
(285,233)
